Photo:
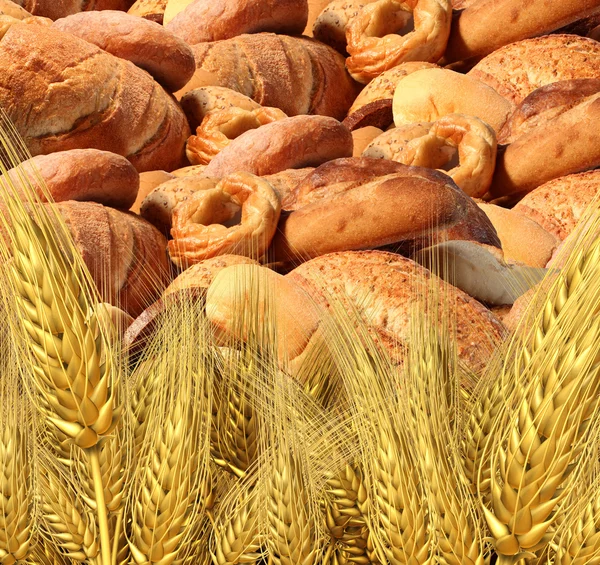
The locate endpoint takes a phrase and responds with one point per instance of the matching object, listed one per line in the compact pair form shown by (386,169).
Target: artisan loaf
(62,92)
(55,9)
(146,44)
(206,20)
(295,74)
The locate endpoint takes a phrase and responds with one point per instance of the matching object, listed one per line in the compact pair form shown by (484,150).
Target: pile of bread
(330,145)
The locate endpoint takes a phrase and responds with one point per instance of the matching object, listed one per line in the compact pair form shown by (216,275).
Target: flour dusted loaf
(62,92)
(55,9)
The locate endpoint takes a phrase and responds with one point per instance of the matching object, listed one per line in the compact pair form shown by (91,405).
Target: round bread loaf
(429,94)
(295,74)
(146,44)
(153,10)
(206,20)
(290,143)
(64,93)
(381,287)
(516,70)
(85,175)
(558,205)
(55,9)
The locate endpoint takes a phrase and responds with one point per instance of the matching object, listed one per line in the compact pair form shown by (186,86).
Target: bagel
(433,145)
(219,127)
(199,231)
(377,40)
(330,25)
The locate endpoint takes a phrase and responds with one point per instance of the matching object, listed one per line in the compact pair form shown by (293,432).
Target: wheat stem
(105,545)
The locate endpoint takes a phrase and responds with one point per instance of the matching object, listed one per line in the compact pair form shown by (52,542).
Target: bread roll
(153,10)
(148,182)
(559,204)
(296,75)
(205,20)
(382,287)
(290,143)
(544,104)
(523,240)
(9,8)
(84,175)
(64,93)
(488,25)
(516,70)
(146,44)
(569,143)
(429,94)
(192,170)
(388,209)
(55,9)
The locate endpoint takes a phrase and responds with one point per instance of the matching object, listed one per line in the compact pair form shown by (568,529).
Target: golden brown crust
(285,182)
(220,127)
(558,205)
(200,224)
(516,70)
(146,44)
(377,40)
(487,25)
(55,9)
(434,145)
(290,143)
(153,10)
(86,175)
(295,74)
(544,104)
(391,208)
(429,94)
(523,240)
(205,20)
(64,93)
(9,8)
(382,286)
(569,143)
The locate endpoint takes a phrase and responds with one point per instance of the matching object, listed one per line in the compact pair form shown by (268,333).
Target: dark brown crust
(378,114)
(291,143)
(146,44)
(206,20)
(298,75)
(55,9)
(64,93)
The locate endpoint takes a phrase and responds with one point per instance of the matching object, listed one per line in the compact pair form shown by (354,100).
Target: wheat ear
(44,553)
(554,403)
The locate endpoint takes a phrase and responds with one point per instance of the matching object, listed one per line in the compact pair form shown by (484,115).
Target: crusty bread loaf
(516,70)
(569,143)
(559,204)
(126,256)
(382,287)
(64,93)
(153,10)
(84,175)
(290,143)
(55,9)
(523,240)
(146,44)
(285,182)
(205,20)
(544,104)
(488,25)
(429,94)
(296,75)
(391,208)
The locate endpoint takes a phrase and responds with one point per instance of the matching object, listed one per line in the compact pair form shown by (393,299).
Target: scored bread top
(518,69)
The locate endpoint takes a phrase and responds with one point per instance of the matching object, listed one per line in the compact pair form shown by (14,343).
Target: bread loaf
(569,143)
(296,75)
(64,93)
(146,44)
(290,143)
(153,10)
(84,175)
(9,8)
(381,287)
(55,9)
(516,70)
(488,25)
(205,20)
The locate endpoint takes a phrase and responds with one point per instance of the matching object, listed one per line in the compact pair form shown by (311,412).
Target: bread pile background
(334,143)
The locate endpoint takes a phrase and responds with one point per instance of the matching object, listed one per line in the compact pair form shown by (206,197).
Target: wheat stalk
(44,553)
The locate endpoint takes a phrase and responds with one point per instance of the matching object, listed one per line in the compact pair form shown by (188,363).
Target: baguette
(488,25)
(296,75)
(205,20)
